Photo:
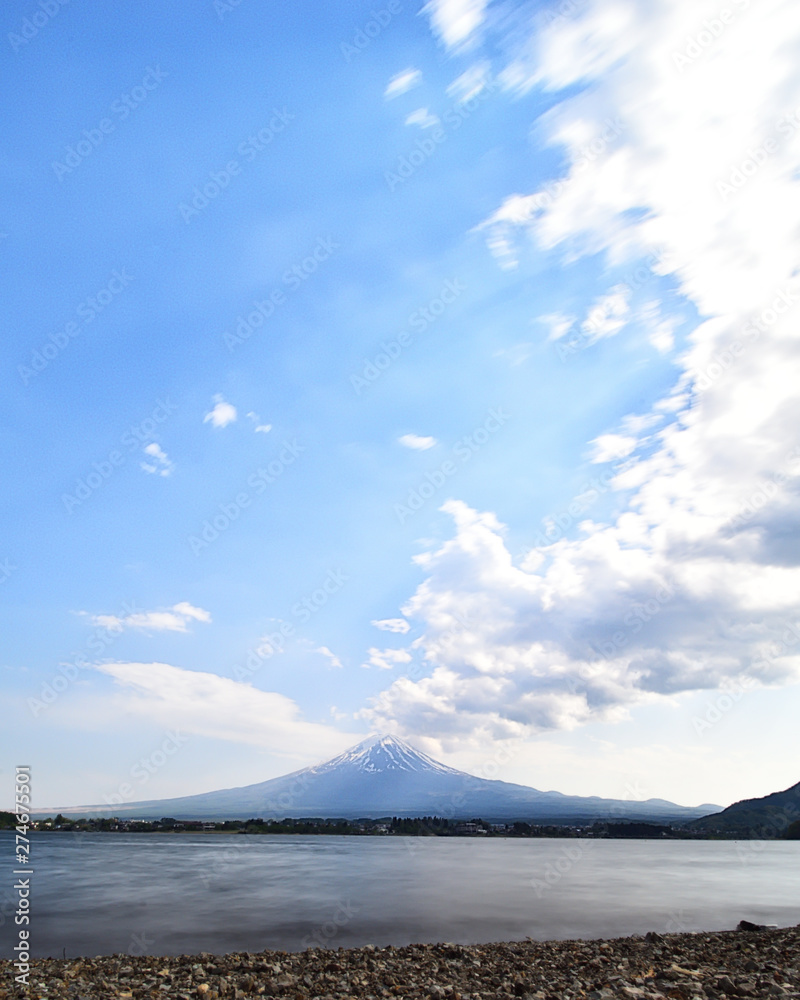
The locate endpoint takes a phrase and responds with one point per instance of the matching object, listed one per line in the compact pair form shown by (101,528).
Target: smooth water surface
(96,894)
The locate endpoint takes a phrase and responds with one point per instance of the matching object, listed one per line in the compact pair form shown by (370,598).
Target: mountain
(385,776)
(767,817)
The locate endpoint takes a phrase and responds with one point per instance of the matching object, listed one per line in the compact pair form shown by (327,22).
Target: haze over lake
(163,894)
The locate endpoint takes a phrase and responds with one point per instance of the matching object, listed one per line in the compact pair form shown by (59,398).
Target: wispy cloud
(423,118)
(174,619)
(222,413)
(559,324)
(392,624)
(500,227)
(661,333)
(402,82)
(386,659)
(516,355)
(608,447)
(470,83)
(456,21)
(607,315)
(334,659)
(217,707)
(160,465)
(259,427)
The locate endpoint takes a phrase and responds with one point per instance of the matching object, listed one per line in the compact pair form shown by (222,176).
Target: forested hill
(769,816)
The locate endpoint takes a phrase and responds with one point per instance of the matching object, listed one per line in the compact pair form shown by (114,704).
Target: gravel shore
(740,963)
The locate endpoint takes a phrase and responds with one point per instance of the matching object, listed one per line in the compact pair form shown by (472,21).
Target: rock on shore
(759,964)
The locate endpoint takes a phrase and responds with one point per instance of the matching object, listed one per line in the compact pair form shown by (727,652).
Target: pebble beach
(740,963)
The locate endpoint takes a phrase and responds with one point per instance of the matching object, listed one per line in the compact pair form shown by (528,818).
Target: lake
(96,894)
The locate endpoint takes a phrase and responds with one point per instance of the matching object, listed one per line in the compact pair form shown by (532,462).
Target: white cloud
(392,625)
(660,329)
(423,118)
(386,659)
(211,706)
(161,464)
(559,324)
(662,338)
(656,184)
(334,659)
(189,611)
(608,623)
(694,582)
(402,82)
(259,427)
(607,315)
(174,619)
(470,83)
(416,442)
(609,447)
(222,414)
(456,21)
(635,423)
(515,211)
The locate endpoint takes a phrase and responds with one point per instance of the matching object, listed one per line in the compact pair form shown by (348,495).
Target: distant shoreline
(618,831)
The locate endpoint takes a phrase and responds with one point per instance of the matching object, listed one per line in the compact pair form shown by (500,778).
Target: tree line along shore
(425,826)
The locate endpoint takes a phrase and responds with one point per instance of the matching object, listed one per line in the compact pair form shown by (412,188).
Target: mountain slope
(766,817)
(382,776)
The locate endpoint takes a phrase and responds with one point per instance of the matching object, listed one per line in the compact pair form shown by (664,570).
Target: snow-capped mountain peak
(383,752)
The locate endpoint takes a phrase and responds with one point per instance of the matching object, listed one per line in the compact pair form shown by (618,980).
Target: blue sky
(431,318)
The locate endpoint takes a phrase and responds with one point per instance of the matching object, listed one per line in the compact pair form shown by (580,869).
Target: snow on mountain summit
(383,752)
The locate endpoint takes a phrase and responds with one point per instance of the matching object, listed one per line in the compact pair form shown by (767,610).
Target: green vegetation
(638,830)
(766,818)
(424,826)
(7,820)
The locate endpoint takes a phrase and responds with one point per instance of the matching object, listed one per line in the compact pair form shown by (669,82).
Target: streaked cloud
(662,335)
(402,82)
(455,21)
(607,315)
(470,83)
(423,118)
(515,355)
(608,447)
(559,325)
